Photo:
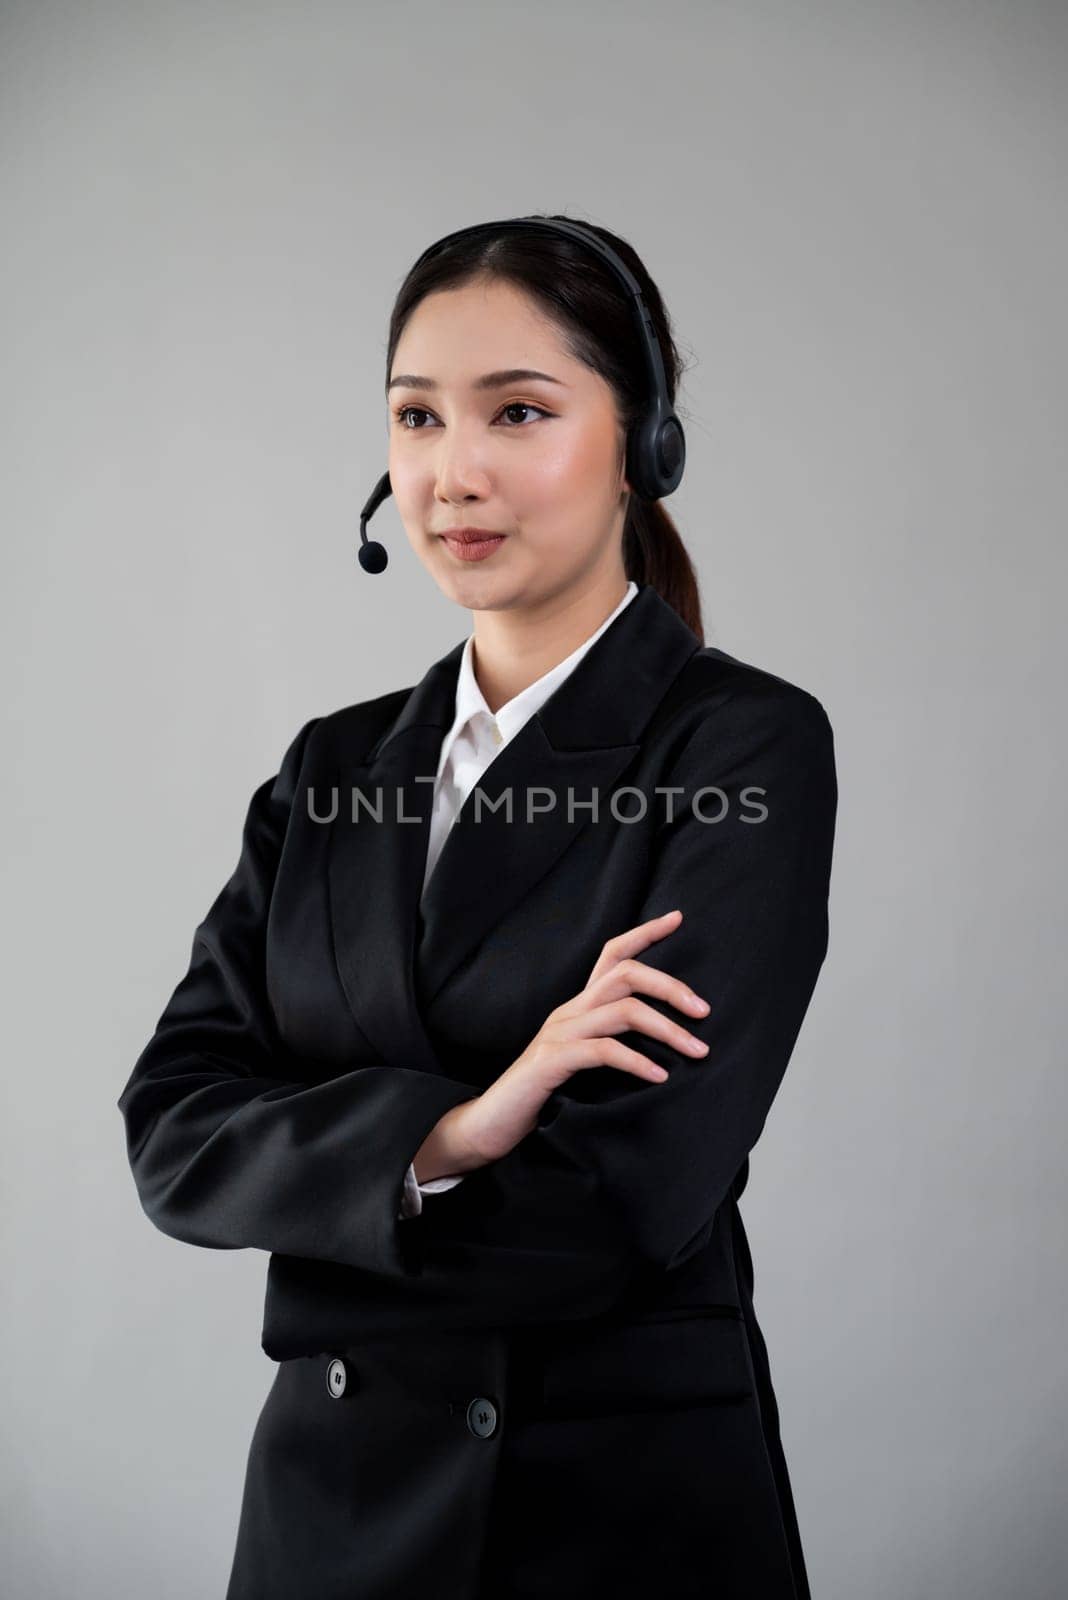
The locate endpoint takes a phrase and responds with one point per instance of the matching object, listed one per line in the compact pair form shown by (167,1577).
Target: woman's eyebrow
(489,380)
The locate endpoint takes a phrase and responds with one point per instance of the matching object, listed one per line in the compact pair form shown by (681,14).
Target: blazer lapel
(394,956)
(375,867)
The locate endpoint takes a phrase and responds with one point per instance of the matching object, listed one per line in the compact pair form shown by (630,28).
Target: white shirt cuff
(412,1197)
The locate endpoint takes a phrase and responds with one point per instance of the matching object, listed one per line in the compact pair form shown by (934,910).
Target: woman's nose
(459,472)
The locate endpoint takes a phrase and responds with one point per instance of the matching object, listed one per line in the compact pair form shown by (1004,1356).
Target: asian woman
(478,1037)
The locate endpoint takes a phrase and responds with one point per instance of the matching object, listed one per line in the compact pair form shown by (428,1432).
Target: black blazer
(589,1296)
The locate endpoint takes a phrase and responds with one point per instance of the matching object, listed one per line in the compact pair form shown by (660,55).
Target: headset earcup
(656,454)
(671,453)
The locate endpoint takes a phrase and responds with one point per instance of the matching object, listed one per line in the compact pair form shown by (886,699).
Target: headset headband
(654,361)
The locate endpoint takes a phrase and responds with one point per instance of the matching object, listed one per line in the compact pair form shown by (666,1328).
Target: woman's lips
(473,549)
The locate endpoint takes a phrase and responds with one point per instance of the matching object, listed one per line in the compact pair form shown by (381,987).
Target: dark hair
(588,304)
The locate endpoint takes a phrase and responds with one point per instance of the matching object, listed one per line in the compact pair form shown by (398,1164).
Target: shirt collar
(515,712)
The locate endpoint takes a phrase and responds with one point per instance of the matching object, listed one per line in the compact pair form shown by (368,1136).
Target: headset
(656,444)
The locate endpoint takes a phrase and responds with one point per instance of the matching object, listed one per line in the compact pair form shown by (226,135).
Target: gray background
(856,215)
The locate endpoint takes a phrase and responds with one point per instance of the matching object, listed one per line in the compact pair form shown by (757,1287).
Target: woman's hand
(578,1035)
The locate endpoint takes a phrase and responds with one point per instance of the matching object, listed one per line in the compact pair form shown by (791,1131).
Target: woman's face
(537,459)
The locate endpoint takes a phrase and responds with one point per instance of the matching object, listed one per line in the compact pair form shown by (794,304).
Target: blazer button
(337,1377)
(482,1417)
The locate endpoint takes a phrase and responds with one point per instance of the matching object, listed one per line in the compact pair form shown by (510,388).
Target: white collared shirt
(476,737)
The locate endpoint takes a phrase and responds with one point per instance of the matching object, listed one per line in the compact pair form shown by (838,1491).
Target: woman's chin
(480,583)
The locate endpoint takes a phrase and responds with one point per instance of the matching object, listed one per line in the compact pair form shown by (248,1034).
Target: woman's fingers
(633,940)
(634,977)
(629,1013)
(614,1053)
(581,1033)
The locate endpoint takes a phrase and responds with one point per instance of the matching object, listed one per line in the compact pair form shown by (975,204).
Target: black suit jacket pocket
(648,1365)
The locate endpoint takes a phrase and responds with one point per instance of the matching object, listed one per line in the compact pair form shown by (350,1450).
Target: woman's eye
(403,412)
(521,405)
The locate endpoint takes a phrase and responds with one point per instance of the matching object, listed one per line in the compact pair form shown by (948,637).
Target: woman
(479,1035)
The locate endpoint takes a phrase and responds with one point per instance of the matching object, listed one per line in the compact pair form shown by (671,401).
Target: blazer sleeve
(229,1143)
(754,890)
(622,1177)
